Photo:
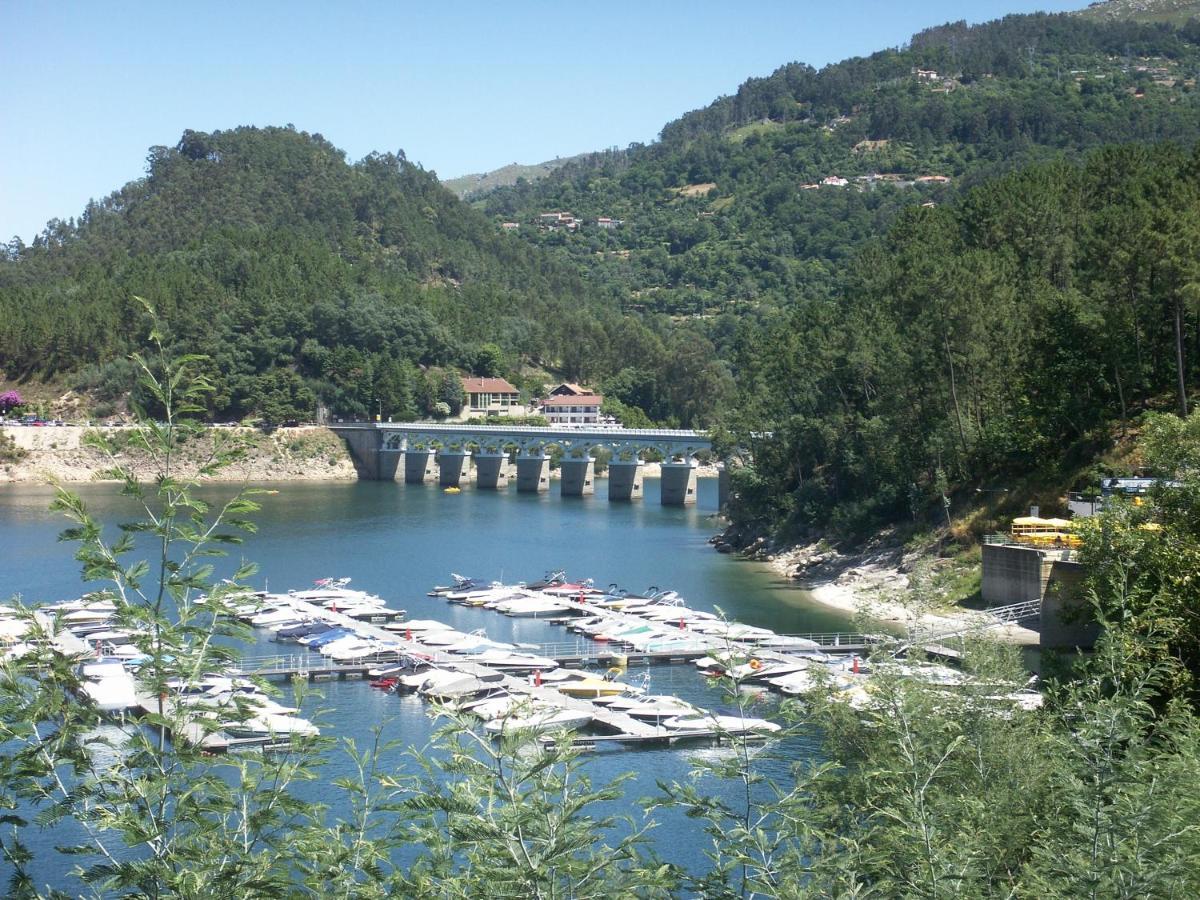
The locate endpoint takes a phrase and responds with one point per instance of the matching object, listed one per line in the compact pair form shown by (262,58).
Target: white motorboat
(532,606)
(415,680)
(726,722)
(789,642)
(491,707)
(275,615)
(458,686)
(366,650)
(656,707)
(735,631)
(625,632)
(811,679)
(108,685)
(475,591)
(513,661)
(590,687)
(539,719)
(442,638)
(660,643)
(418,626)
(268,725)
(473,644)
(349,640)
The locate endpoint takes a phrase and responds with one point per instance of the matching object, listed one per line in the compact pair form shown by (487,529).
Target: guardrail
(442,428)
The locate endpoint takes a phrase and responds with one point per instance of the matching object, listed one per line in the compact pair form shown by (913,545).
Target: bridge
(452,455)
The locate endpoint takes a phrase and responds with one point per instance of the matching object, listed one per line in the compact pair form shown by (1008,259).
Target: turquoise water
(397,541)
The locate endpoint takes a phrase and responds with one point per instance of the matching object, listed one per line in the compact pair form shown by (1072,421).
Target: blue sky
(460,86)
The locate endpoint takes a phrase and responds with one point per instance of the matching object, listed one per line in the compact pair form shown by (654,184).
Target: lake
(398,540)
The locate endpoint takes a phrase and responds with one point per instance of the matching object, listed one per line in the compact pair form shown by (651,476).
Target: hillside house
(492,397)
(567,389)
(554,220)
(834,181)
(572,409)
(609,223)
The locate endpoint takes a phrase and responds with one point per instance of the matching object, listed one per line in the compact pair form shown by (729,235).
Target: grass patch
(738,135)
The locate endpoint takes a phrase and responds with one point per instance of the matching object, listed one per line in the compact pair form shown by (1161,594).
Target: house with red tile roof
(572,409)
(491,397)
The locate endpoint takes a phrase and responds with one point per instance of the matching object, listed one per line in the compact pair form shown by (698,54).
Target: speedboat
(276,615)
(725,721)
(538,718)
(316,641)
(292,633)
(658,643)
(572,590)
(656,707)
(270,725)
(461,583)
(418,630)
(475,590)
(416,679)
(375,650)
(510,661)
(734,631)
(531,606)
(790,643)
(549,580)
(458,685)
(108,685)
(624,632)
(591,686)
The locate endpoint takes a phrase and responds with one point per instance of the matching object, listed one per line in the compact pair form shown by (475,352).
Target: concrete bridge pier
(454,466)
(624,480)
(723,482)
(578,477)
(491,471)
(365,453)
(679,483)
(533,473)
(418,466)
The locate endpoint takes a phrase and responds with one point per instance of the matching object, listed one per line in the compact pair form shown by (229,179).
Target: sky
(461,87)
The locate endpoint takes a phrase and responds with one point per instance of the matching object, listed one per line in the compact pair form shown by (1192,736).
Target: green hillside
(1176,12)
(468,187)
(728,213)
(966,260)
(303,278)
(942,314)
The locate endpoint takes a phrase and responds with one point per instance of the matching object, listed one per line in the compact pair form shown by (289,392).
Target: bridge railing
(442,428)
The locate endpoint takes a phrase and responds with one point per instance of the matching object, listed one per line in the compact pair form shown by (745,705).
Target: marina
(352,634)
(397,540)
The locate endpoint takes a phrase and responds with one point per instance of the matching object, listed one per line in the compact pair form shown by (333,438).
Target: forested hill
(301,277)
(729,212)
(983,290)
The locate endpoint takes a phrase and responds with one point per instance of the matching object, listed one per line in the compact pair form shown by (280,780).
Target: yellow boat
(590,687)
(452,490)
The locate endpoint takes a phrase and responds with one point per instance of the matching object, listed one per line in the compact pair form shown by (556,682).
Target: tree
(157,816)
(450,391)
(9,401)
(489,361)
(513,818)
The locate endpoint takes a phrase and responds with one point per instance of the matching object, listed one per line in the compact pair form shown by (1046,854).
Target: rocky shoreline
(872,582)
(62,454)
(309,453)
